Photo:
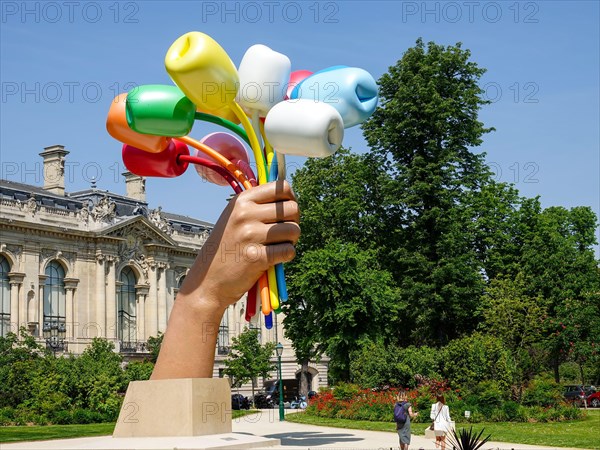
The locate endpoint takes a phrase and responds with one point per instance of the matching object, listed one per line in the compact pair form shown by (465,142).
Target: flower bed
(350,402)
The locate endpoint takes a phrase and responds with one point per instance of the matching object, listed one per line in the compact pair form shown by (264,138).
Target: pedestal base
(229,441)
(181,407)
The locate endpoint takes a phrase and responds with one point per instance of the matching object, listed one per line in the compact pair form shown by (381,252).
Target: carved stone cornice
(44,230)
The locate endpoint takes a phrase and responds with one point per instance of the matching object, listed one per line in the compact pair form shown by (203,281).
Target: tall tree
(249,359)
(518,320)
(559,264)
(342,295)
(426,127)
(338,281)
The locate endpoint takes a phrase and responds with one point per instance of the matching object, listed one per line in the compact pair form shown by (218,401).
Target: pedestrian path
(300,436)
(259,431)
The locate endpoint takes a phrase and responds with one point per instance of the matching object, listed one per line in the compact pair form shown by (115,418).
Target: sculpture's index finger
(275,191)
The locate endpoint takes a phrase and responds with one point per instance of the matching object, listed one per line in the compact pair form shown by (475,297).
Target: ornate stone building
(79,265)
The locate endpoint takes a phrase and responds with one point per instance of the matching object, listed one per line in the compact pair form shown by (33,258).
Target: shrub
(7,416)
(345,391)
(498,415)
(470,360)
(542,391)
(62,418)
(138,370)
(25,416)
(489,394)
(85,416)
(511,410)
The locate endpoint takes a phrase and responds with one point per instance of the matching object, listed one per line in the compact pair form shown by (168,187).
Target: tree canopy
(413,243)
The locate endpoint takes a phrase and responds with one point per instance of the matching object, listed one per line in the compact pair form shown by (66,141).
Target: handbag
(429,433)
(431,427)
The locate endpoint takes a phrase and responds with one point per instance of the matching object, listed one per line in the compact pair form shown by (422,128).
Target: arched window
(55,316)
(126,307)
(4,296)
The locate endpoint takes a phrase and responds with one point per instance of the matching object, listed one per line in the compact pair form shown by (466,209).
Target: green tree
(375,364)
(100,378)
(470,360)
(249,359)
(501,221)
(518,320)
(342,295)
(19,362)
(426,126)
(344,208)
(343,198)
(559,265)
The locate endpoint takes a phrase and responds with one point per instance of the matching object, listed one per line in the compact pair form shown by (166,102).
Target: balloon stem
(261,167)
(224,123)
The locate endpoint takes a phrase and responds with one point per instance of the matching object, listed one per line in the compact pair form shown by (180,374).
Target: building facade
(80,265)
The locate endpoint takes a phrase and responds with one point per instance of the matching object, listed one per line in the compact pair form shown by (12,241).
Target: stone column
(111,298)
(100,295)
(72,320)
(40,305)
(162,296)
(141,292)
(23,305)
(170,290)
(118,285)
(151,304)
(14,306)
(232,327)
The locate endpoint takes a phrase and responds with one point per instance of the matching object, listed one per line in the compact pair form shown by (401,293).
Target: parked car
(238,401)
(263,400)
(594,400)
(577,394)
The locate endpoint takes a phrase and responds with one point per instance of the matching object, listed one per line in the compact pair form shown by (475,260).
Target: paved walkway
(299,436)
(251,431)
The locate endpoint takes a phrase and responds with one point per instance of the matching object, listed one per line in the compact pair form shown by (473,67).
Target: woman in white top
(442,423)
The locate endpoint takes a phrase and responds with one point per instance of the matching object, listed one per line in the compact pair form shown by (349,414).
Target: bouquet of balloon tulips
(281,112)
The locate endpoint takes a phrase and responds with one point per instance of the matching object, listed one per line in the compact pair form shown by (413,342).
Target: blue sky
(63,62)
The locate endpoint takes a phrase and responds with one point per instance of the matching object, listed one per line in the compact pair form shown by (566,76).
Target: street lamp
(279,350)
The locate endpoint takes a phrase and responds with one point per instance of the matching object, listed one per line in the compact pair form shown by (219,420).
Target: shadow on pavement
(312,438)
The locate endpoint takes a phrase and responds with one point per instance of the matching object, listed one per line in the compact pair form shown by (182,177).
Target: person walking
(442,423)
(403,427)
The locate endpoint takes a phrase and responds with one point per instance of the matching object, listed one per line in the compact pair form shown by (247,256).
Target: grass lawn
(579,434)
(38,433)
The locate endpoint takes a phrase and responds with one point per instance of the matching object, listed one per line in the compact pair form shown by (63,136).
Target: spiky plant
(467,439)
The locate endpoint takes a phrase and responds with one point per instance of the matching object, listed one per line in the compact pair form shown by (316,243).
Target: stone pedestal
(181,407)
